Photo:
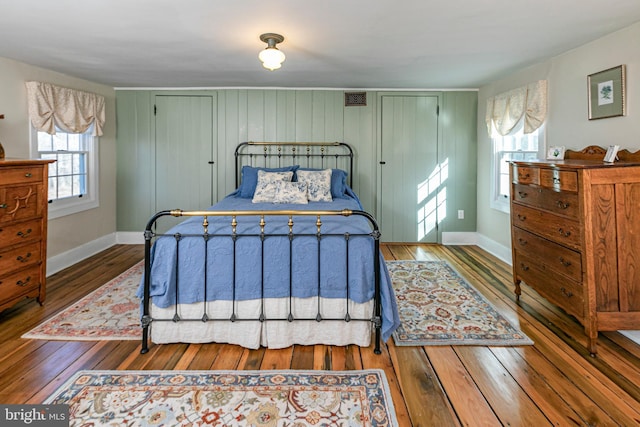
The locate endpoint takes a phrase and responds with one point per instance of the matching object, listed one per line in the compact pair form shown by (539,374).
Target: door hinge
(437,110)
(155,109)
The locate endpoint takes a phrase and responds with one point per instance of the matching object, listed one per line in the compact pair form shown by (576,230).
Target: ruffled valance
(505,110)
(72,110)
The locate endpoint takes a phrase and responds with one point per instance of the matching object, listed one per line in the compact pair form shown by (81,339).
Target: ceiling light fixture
(271,57)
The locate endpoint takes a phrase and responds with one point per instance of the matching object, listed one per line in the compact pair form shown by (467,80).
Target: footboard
(229,241)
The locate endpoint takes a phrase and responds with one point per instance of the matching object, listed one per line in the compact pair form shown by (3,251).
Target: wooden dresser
(575,229)
(23,230)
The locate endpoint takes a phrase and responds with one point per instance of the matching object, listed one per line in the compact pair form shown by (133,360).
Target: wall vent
(355,99)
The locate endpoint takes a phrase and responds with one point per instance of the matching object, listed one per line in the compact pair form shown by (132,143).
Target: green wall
(291,115)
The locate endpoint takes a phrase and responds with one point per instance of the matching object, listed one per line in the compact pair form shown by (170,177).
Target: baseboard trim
(473,238)
(130,237)
(67,259)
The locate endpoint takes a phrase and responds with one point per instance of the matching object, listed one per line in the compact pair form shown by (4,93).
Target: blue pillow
(250,178)
(338,181)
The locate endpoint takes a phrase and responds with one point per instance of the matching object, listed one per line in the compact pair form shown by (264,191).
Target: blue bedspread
(275,268)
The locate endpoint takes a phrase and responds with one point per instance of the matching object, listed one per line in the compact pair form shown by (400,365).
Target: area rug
(438,307)
(111,312)
(227,398)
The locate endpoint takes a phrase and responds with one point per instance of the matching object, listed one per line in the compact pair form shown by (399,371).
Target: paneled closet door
(410,196)
(185,166)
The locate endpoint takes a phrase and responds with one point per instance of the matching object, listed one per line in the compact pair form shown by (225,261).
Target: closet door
(185,167)
(410,195)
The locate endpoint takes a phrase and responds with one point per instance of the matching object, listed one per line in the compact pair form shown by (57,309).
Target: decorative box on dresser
(23,230)
(575,229)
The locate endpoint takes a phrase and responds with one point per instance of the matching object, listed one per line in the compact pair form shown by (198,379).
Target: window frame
(70,205)
(499,201)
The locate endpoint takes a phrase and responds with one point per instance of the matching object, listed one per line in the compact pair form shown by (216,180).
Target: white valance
(505,110)
(72,110)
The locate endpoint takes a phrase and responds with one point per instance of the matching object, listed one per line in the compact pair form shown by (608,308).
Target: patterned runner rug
(229,398)
(111,312)
(438,307)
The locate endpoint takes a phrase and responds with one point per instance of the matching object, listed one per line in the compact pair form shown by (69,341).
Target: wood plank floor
(554,382)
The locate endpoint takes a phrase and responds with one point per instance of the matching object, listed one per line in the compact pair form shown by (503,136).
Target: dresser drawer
(559,180)
(552,256)
(20,202)
(20,283)
(20,175)
(563,292)
(562,203)
(553,227)
(19,257)
(526,174)
(22,232)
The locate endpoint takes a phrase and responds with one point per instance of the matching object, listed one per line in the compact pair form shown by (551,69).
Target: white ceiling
(419,44)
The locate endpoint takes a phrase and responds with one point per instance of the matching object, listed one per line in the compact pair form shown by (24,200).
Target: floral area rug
(227,398)
(438,307)
(111,312)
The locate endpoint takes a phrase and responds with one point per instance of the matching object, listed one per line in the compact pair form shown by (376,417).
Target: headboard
(321,155)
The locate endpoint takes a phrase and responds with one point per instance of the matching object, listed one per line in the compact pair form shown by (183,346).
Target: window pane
(74,142)
(53,188)
(77,185)
(64,187)
(78,167)
(65,164)
(59,141)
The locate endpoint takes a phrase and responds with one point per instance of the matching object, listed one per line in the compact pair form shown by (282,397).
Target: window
(73,176)
(515,146)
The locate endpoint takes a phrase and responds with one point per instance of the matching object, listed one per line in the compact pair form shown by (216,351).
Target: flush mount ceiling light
(271,57)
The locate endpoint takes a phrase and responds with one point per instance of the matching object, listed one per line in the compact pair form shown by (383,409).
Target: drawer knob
(522,217)
(566,293)
(522,194)
(522,241)
(564,233)
(565,262)
(24,258)
(25,283)
(524,267)
(3,206)
(562,205)
(24,234)
(28,175)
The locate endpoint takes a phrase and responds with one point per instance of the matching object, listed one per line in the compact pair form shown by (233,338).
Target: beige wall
(65,233)
(567,122)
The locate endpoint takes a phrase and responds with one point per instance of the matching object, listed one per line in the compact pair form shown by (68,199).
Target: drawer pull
(24,234)
(556,180)
(524,176)
(522,217)
(563,205)
(25,283)
(564,233)
(24,258)
(566,293)
(28,175)
(522,194)
(565,262)
(4,206)
(522,241)
(524,267)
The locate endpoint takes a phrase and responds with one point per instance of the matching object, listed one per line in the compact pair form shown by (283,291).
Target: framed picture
(555,153)
(607,93)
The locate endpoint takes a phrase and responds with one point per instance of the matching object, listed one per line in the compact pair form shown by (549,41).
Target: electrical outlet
(460,214)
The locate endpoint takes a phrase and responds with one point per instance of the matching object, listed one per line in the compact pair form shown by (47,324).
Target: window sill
(60,208)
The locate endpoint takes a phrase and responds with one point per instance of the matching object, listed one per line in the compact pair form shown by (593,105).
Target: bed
(280,261)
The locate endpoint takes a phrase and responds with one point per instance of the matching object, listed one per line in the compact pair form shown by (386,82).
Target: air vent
(355,99)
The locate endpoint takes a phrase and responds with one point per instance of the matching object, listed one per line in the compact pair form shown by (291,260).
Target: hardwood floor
(554,382)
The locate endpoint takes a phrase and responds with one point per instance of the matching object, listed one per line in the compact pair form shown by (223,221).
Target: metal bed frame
(270,154)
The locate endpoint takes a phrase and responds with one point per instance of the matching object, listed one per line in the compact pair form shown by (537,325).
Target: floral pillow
(291,192)
(318,184)
(268,184)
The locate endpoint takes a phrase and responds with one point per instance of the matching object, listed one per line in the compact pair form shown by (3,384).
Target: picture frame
(606,92)
(556,153)
(612,154)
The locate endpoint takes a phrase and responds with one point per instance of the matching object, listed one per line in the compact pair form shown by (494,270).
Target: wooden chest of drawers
(575,228)
(23,230)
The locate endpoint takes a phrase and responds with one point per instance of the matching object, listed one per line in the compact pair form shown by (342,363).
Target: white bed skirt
(271,334)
